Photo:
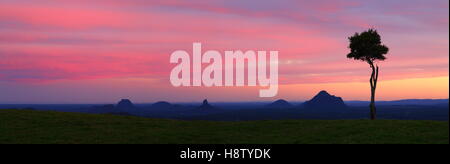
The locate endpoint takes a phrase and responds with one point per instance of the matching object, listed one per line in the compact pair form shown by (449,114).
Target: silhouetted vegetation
(367,47)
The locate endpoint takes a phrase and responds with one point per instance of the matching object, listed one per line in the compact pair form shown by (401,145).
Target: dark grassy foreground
(20,126)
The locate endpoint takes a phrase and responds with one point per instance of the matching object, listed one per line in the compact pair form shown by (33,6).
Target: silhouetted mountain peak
(205,105)
(125,104)
(162,105)
(323,93)
(280,104)
(324,100)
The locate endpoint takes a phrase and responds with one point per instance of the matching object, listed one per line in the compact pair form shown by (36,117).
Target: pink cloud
(67,17)
(51,41)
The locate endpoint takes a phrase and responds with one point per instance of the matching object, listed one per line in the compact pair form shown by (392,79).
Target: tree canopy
(366,46)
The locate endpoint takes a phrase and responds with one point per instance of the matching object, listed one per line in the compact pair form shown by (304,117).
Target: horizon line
(188,102)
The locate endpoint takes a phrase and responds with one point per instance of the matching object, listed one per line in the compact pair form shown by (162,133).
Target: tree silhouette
(367,47)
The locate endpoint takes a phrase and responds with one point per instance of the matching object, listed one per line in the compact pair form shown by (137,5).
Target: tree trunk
(373,109)
(373,87)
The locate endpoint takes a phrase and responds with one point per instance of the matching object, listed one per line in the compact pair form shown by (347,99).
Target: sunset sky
(84,51)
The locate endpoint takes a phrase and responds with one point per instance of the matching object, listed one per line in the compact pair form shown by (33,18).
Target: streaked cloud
(46,41)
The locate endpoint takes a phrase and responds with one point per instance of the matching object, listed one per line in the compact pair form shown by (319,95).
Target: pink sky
(80,51)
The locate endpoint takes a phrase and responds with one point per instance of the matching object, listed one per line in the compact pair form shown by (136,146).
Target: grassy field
(23,126)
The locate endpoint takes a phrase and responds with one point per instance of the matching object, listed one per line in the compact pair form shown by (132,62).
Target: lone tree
(367,47)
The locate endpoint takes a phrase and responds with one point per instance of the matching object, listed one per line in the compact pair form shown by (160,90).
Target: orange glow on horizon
(414,88)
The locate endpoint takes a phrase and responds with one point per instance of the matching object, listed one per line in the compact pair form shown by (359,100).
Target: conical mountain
(324,100)
(125,104)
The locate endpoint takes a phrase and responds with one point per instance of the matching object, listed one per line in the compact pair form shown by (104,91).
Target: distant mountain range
(402,102)
(322,106)
(322,100)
